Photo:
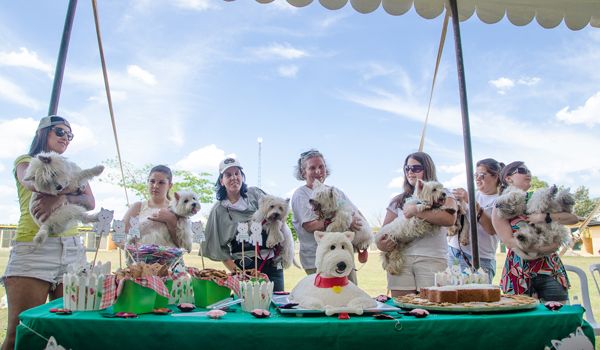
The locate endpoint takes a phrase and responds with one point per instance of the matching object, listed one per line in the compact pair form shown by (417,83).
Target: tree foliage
(536,184)
(136,180)
(583,203)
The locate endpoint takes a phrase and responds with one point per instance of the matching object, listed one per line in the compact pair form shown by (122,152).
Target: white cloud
(13,93)
(25,58)
(452,169)
(588,114)
(198,5)
(142,75)
(18,138)
(289,71)
(397,182)
(528,81)
(205,159)
(285,51)
(502,84)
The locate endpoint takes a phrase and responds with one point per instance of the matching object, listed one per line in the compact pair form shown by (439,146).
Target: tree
(136,180)
(288,221)
(583,204)
(536,184)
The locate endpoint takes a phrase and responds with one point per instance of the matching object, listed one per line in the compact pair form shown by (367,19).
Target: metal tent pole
(62,58)
(466,131)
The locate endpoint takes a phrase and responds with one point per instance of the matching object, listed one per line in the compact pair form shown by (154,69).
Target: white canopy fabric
(548,13)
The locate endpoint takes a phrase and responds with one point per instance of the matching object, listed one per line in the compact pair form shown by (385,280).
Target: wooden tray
(507,303)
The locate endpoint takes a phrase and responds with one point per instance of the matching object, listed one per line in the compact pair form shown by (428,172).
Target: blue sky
(193,81)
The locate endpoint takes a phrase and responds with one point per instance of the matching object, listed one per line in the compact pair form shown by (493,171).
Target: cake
(453,286)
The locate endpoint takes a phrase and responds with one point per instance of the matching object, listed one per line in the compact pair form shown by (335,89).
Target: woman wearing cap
(311,166)
(155,211)
(487,180)
(545,276)
(236,204)
(426,255)
(34,274)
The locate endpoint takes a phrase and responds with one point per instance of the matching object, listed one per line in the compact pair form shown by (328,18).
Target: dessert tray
(280,300)
(506,303)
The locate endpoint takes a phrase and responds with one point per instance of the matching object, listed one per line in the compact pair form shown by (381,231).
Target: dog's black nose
(341,266)
(59,187)
(194,205)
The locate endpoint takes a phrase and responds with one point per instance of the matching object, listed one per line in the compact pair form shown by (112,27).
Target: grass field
(370,277)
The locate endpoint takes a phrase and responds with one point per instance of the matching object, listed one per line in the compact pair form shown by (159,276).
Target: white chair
(585,295)
(595,268)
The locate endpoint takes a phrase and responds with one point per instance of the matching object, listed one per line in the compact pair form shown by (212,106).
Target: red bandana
(330,282)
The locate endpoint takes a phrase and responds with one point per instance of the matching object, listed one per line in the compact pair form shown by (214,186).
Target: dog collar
(335,283)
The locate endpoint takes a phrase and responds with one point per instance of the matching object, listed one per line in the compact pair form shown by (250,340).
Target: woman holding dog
(33,273)
(236,204)
(311,166)
(544,276)
(155,211)
(487,180)
(426,255)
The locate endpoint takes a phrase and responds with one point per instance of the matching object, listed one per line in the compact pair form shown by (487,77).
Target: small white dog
(328,203)
(53,174)
(271,214)
(329,289)
(184,205)
(429,195)
(461,224)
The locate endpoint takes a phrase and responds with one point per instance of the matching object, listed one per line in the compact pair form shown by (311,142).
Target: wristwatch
(548,218)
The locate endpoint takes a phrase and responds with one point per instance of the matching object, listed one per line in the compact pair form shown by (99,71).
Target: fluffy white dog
(184,205)
(328,203)
(53,174)
(272,213)
(429,195)
(329,289)
(532,238)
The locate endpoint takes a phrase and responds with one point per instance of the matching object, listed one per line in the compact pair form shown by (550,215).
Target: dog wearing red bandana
(329,289)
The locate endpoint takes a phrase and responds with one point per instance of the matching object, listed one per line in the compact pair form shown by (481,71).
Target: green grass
(370,277)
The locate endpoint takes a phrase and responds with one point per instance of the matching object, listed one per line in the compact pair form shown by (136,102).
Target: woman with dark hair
(155,211)
(311,166)
(487,180)
(236,204)
(34,274)
(426,255)
(545,276)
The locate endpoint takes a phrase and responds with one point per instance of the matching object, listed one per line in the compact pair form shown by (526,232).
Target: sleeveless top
(147,225)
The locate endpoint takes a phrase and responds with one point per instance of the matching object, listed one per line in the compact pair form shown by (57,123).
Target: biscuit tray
(507,303)
(279,300)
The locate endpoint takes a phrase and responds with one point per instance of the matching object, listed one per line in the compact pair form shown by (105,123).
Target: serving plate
(507,303)
(280,300)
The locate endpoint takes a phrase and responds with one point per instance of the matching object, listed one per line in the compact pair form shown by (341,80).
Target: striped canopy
(548,13)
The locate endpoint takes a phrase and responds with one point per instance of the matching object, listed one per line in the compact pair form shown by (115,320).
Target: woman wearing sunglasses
(426,255)
(311,166)
(236,203)
(487,180)
(34,274)
(546,276)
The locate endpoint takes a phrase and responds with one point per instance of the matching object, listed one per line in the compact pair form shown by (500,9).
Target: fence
(7,233)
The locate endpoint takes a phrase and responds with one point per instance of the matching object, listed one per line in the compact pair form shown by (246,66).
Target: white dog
(184,205)
(328,203)
(429,195)
(53,174)
(329,289)
(271,214)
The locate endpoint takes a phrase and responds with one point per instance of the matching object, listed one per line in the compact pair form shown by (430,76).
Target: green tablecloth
(239,330)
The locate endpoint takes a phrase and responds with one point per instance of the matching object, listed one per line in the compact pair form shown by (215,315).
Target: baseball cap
(52,120)
(228,163)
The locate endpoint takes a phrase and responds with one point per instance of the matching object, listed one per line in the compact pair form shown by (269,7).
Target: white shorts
(417,272)
(48,262)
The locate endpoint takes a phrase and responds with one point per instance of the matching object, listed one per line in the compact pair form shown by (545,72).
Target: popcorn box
(135,298)
(208,292)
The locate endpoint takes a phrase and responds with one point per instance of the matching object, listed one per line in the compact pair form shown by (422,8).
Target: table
(239,330)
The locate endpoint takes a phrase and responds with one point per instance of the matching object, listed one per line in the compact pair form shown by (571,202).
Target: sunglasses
(413,168)
(62,133)
(481,175)
(521,170)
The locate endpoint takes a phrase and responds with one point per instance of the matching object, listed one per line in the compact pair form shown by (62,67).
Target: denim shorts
(488,265)
(48,262)
(548,288)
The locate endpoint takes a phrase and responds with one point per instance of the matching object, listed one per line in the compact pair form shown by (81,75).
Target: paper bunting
(53,345)
(134,227)
(118,235)
(102,226)
(198,230)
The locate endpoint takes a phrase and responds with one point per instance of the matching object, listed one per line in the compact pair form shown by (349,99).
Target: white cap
(228,163)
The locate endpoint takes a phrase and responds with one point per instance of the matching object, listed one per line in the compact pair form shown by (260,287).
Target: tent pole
(466,132)
(62,57)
